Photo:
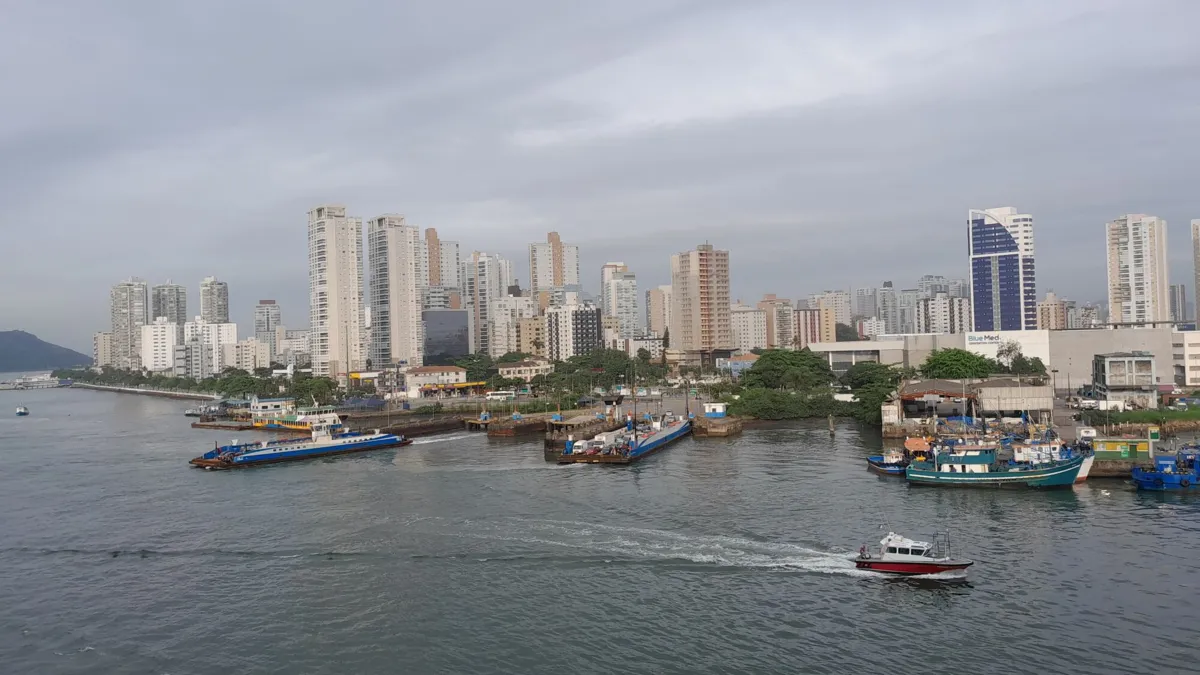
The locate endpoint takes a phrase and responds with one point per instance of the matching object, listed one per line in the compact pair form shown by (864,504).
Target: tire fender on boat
(1158,482)
(1183,482)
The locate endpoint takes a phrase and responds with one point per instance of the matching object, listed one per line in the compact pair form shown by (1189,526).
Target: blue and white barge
(327,439)
(626,446)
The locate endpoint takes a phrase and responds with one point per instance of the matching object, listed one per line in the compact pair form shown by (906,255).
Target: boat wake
(440,439)
(631,544)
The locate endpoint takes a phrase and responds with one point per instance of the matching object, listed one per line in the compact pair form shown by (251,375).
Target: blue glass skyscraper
(1003,288)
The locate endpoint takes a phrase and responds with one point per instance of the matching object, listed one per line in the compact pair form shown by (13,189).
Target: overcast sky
(826,145)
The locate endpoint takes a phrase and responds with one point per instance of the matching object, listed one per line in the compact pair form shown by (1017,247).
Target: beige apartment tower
(1138,278)
(700,319)
(335,300)
(553,264)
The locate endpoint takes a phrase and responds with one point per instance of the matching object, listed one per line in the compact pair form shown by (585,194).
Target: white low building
(430,380)
(526,370)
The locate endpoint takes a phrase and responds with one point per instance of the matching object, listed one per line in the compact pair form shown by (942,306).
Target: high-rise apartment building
(780,320)
(932,284)
(889,308)
(504,316)
(170,300)
(815,324)
(1137,270)
(572,330)
(531,336)
(214,337)
(335,302)
(1052,313)
(618,293)
(906,308)
(158,345)
(700,300)
(442,288)
(485,277)
(943,314)
(749,325)
(1003,283)
(553,264)
(129,311)
(249,354)
(396,258)
(607,272)
(1179,311)
(214,300)
(267,321)
(658,309)
(194,359)
(102,354)
(443,261)
(869,329)
(837,301)
(865,304)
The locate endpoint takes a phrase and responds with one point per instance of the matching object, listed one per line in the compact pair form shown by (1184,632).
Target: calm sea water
(463,555)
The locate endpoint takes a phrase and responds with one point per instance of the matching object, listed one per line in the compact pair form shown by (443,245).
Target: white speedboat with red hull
(900,555)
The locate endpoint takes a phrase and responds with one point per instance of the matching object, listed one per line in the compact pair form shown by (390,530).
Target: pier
(708,427)
(716,423)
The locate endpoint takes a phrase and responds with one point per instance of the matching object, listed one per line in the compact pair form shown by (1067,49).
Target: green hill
(21,351)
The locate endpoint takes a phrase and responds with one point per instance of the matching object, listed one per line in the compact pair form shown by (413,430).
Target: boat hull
(876,464)
(646,449)
(911,568)
(1061,475)
(22,414)
(1156,481)
(1085,469)
(300,453)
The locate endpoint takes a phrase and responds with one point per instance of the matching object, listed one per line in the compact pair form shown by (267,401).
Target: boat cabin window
(903,551)
(918,551)
(891,549)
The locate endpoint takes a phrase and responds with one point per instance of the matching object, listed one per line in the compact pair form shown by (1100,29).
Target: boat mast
(633,384)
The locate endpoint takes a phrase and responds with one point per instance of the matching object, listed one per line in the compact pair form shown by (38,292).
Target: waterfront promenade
(162,393)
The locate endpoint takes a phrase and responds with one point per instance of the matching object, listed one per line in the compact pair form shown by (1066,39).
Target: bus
(501,395)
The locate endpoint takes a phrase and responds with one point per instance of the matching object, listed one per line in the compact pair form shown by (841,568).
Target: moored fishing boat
(626,446)
(890,463)
(1036,452)
(22,411)
(901,555)
(978,466)
(1172,472)
(326,440)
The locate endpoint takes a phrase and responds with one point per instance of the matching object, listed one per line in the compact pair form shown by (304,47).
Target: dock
(228,426)
(718,427)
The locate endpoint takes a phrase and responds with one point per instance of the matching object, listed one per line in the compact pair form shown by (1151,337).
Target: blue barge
(625,446)
(325,441)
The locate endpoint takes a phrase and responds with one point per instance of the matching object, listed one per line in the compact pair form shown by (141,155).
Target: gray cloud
(825,146)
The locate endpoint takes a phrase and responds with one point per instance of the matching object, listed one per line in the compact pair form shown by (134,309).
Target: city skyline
(558,122)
